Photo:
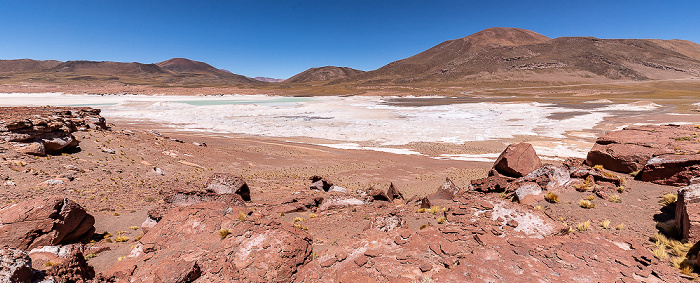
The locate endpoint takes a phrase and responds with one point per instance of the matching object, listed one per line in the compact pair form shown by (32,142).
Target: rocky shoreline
(581,220)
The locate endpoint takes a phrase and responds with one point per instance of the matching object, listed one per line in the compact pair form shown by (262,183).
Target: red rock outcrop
(516,160)
(216,242)
(44,222)
(222,183)
(48,129)
(665,154)
(688,213)
(73,269)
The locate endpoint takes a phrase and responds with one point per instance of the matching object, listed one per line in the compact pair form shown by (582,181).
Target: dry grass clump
(591,197)
(598,167)
(582,227)
(620,226)
(242,216)
(224,232)
(298,219)
(442,220)
(298,225)
(668,199)
(433,210)
(551,197)
(313,215)
(121,239)
(605,224)
(621,189)
(615,199)
(587,185)
(587,204)
(677,251)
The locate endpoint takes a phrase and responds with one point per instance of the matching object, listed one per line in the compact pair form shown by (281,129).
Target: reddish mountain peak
(502,36)
(185,65)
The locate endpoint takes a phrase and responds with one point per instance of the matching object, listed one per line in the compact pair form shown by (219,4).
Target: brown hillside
(323,74)
(199,73)
(25,65)
(499,54)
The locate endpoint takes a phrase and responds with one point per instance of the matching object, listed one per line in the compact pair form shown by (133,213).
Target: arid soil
(358,231)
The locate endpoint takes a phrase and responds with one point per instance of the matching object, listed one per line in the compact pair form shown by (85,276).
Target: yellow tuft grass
(598,167)
(621,189)
(605,224)
(313,215)
(582,227)
(434,209)
(587,204)
(668,199)
(620,226)
(615,199)
(551,197)
(421,210)
(224,232)
(442,220)
(121,239)
(591,197)
(660,253)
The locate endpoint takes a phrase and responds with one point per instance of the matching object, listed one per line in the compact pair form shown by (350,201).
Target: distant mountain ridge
(323,74)
(176,71)
(492,56)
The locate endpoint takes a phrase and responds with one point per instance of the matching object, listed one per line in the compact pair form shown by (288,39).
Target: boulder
(528,193)
(182,197)
(393,193)
(31,148)
(222,183)
(73,269)
(15,266)
(671,169)
(211,242)
(688,213)
(516,160)
(550,177)
(44,222)
(320,184)
(377,194)
(625,158)
(445,192)
(339,202)
(490,184)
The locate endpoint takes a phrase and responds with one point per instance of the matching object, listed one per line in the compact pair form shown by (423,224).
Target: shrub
(551,197)
(587,204)
(668,199)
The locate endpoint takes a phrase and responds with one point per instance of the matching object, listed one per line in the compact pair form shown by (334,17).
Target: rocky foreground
(582,220)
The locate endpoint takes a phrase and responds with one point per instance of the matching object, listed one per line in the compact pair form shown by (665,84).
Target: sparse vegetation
(224,232)
(121,239)
(49,263)
(605,224)
(615,199)
(241,216)
(582,227)
(620,226)
(313,215)
(590,197)
(442,220)
(423,226)
(621,189)
(587,204)
(598,167)
(668,199)
(551,197)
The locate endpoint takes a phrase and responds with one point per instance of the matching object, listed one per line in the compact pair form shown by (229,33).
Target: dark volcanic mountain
(498,54)
(323,74)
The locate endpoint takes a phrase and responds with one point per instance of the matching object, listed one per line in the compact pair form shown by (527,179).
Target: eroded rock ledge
(46,130)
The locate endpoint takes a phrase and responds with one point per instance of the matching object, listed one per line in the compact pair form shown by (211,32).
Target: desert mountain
(323,74)
(500,54)
(178,71)
(25,65)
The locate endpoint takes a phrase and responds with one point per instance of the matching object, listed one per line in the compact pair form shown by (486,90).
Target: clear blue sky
(281,38)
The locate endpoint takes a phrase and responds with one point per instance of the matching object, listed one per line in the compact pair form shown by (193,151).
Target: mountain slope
(323,74)
(25,65)
(199,73)
(499,54)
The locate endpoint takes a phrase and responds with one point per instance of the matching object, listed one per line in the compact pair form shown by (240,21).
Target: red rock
(187,245)
(425,267)
(446,192)
(377,194)
(320,184)
(490,184)
(549,177)
(183,197)
(73,269)
(44,222)
(222,183)
(688,213)
(339,202)
(671,169)
(517,160)
(361,260)
(15,266)
(528,193)
(393,193)
(425,203)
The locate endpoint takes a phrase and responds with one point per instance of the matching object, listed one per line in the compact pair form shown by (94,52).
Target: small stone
(54,182)
(361,260)
(373,253)
(425,267)
(158,171)
(108,150)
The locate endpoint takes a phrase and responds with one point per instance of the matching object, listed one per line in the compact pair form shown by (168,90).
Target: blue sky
(281,38)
